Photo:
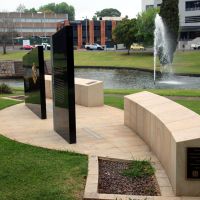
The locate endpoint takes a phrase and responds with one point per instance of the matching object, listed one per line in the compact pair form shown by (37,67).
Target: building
(31,24)
(92,31)
(189,11)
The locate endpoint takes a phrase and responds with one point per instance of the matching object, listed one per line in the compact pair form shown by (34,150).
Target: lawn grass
(118,102)
(191,104)
(184,62)
(32,173)
(113,101)
(162,92)
(17,55)
(4,103)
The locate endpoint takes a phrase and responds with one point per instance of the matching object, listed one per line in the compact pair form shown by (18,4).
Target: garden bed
(123,177)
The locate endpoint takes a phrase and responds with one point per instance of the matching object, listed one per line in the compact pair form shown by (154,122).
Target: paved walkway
(100,131)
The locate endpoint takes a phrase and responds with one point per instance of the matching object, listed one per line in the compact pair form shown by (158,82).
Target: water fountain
(162,50)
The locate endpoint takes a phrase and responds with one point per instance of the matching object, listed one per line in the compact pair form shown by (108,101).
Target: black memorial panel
(63,84)
(34,82)
(193,163)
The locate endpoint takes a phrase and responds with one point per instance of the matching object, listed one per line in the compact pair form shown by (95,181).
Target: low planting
(5,89)
(15,92)
(139,169)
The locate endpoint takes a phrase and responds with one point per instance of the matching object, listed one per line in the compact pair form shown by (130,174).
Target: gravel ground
(111,180)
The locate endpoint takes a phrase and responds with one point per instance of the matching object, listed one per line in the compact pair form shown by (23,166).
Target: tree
(108,12)
(125,32)
(146,26)
(94,18)
(169,12)
(7,31)
(60,8)
(21,8)
(31,10)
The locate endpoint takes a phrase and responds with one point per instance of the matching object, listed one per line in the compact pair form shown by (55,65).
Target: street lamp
(86,31)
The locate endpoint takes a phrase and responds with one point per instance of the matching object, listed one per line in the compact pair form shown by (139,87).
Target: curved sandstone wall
(169,129)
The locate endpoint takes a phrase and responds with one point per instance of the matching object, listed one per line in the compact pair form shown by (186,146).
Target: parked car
(195,46)
(46,46)
(136,46)
(94,46)
(27,47)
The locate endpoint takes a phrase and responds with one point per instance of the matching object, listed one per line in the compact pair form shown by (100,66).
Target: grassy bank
(28,172)
(162,92)
(4,103)
(184,62)
(115,98)
(32,173)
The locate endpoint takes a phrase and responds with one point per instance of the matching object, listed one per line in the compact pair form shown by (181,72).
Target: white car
(195,46)
(46,46)
(94,46)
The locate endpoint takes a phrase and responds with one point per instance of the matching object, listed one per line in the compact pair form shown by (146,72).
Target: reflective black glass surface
(63,84)
(34,83)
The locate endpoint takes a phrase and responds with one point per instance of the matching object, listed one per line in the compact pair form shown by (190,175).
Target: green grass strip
(28,172)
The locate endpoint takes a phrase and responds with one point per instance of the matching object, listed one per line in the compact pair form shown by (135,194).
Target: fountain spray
(161,45)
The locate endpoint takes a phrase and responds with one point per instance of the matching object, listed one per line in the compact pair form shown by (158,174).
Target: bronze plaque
(193,163)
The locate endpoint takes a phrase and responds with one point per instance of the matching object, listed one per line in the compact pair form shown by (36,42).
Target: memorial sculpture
(34,82)
(63,84)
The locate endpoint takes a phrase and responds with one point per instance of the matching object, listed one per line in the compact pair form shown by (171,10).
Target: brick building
(34,24)
(92,31)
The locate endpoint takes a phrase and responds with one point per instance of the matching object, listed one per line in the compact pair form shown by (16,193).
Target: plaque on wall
(63,84)
(34,82)
(193,163)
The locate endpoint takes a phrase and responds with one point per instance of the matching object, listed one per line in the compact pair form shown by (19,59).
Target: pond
(129,79)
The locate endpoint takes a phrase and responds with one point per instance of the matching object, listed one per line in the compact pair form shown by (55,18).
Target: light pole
(86,31)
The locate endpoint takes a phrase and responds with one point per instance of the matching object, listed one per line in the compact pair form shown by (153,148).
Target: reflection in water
(129,79)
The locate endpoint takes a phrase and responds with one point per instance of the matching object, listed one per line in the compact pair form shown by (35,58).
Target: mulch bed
(111,180)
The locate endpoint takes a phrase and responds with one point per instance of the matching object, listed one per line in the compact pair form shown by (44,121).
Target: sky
(83,8)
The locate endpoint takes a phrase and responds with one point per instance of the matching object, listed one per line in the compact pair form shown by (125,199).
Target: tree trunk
(128,51)
(4,48)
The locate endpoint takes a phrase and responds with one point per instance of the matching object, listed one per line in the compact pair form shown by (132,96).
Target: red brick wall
(114,24)
(79,32)
(91,32)
(103,32)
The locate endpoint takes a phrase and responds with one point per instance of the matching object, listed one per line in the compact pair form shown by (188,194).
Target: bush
(5,89)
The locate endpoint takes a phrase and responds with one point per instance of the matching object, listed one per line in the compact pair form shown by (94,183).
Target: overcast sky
(82,7)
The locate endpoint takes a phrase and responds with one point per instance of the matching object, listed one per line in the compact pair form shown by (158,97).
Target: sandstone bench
(169,129)
(88,92)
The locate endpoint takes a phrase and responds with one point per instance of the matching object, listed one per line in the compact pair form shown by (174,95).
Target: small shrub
(5,89)
(139,169)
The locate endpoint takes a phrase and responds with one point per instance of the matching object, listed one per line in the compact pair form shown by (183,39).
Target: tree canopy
(60,8)
(146,26)
(169,12)
(108,12)
(8,32)
(125,32)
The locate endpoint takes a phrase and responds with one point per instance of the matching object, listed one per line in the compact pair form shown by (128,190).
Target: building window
(192,19)
(159,5)
(149,6)
(192,5)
